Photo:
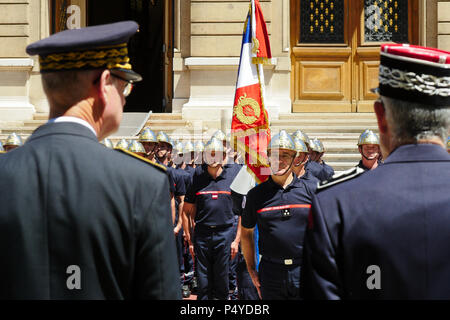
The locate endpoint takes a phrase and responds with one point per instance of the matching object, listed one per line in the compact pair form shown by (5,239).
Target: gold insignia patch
(247,110)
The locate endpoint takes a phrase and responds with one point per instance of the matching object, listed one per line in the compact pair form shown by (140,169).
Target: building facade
(325,52)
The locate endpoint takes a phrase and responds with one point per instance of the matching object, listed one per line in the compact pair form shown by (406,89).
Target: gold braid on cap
(110,57)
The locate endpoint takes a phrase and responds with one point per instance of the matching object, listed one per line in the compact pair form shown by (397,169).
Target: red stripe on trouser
(287,206)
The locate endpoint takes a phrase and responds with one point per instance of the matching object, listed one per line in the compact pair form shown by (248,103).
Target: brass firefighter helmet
(163,137)
(214,145)
(136,147)
(107,143)
(13,140)
(317,146)
(282,140)
(178,148)
(147,135)
(368,137)
(188,147)
(122,144)
(199,146)
(300,145)
(219,135)
(299,134)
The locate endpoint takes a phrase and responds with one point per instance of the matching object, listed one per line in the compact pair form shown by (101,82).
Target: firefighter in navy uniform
(318,151)
(12,142)
(384,234)
(300,161)
(78,220)
(208,203)
(311,167)
(122,144)
(369,148)
(149,141)
(279,206)
(107,143)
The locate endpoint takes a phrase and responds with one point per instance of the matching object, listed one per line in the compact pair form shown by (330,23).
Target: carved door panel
(335,50)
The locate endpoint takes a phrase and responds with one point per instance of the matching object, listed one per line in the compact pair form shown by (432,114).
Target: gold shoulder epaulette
(340,177)
(161,167)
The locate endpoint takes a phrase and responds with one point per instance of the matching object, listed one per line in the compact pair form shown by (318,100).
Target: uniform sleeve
(320,275)
(249,213)
(237,203)
(156,262)
(191,191)
(327,171)
(171,181)
(180,186)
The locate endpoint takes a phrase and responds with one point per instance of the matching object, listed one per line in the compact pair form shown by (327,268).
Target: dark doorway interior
(145,48)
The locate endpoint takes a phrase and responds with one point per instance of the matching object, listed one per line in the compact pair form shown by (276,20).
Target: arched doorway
(335,50)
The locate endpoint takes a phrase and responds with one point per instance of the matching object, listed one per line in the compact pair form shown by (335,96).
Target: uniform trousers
(213,253)
(279,281)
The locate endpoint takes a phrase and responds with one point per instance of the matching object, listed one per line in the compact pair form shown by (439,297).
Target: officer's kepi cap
(95,47)
(414,73)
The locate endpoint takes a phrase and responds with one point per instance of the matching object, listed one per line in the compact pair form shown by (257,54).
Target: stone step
(40,116)
(315,129)
(341,166)
(166,123)
(34,123)
(328,122)
(326,115)
(18,130)
(166,116)
(341,157)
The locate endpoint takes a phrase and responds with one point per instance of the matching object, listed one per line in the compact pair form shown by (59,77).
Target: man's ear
(380,112)
(103,87)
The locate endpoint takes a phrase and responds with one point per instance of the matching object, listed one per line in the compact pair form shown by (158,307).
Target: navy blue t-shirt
(212,197)
(169,175)
(281,216)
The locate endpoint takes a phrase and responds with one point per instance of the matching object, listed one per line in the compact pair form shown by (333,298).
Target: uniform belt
(213,227)
(287,261)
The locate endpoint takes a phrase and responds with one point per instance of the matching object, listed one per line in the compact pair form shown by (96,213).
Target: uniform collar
(275,185)
(418,152)
(73,120)
(64,128)
(223,175)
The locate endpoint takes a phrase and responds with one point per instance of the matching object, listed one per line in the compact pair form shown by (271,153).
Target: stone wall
(443,25)
(20,88)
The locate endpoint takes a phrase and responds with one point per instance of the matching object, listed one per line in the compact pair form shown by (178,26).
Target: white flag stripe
(247,73)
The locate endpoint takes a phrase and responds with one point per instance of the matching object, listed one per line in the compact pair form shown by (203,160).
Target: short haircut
(66,88)
(410,121)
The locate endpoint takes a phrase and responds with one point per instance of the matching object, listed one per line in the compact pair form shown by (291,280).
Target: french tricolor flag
(250,123)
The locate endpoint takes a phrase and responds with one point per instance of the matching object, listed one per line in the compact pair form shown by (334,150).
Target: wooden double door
(335,50)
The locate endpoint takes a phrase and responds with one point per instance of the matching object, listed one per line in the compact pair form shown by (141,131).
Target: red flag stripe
(288,206)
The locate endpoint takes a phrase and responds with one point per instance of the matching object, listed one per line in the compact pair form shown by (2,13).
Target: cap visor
(375,90)
(128,75)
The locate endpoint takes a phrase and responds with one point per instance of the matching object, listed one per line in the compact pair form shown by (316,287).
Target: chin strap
(287,170)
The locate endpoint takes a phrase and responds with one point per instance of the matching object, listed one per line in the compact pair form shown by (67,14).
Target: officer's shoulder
(153,164)
(340,177)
